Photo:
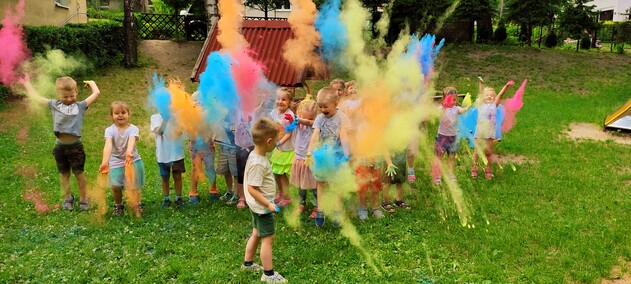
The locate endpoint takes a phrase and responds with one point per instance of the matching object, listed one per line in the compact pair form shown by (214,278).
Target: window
(606,15)
(282,5)
(62,3)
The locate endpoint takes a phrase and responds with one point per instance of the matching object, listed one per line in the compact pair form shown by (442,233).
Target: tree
(129,26)
(480,11)
(578,19)
(266,5)
(420,16)
(373,6)
(531,13)
(177,5)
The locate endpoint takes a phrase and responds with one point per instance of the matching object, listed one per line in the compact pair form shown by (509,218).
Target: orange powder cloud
(300,51)
(229,24)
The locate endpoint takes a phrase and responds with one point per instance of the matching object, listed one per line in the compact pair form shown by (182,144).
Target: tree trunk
(129,26)
(540,35)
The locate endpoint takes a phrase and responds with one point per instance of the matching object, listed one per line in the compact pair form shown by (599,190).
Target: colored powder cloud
(217,89)
(513,105)
(247,74)
(229,25)
(13,46)
(159,97)
(332,32)
(300,51)
(188,116)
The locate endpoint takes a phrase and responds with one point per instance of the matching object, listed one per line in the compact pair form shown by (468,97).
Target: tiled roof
(266,38)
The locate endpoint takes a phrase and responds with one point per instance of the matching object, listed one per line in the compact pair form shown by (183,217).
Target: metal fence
(165,26)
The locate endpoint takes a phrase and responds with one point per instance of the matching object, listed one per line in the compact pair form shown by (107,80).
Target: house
(280,11)
(266,38)
(49,12)
(612,10)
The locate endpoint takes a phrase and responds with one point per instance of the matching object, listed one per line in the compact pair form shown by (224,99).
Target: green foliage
(619,49)
(116,16)
(531,13)
(577,18)
(500,32)
(623,32)
(550,40)
(100,42)
(4,93)
(160,7)
(420,16)
(585,43)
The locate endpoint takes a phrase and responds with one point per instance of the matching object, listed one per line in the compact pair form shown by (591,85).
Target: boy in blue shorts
(170,156)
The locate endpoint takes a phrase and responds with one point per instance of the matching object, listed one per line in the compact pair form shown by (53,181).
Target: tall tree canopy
(531,13)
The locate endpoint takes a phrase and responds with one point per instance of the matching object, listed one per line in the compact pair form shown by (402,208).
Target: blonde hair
(289,93)
(308,105)
(119,105)
(490,89)
(350,84)
(450,91)
(328,94)
(338,84)
(66,84)
(264,129)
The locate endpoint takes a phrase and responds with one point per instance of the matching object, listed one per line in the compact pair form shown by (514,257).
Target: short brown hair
(338,84)
(263,129)
(119,105)
(66,84)
(328,94)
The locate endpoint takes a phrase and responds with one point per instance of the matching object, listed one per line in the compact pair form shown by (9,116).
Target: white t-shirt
(485,128)
(258,172)
(119,144)
(168,148)
(303,137)
(448,121)
(279,118)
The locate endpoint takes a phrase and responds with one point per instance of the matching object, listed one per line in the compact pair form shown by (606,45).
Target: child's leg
(117,193)
(266,252)
(177,183)
(315,197)
(81,182)
(321,188)
(303,196)
(488,152)
(229,182)
(452,165)
(165,186)
(279,186)
(284,184)
(399,196)
(197,167)
(251,246)
(64,180)
(386,192)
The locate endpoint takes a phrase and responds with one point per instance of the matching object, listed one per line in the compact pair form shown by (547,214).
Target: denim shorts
(447,144)
(176,167)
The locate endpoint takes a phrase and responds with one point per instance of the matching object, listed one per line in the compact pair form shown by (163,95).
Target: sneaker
(84,206)
(412,178)
(69,203)
(284,202)
(313,213)
(193,199)
(254,267)
(227,196)
(241,204)
(362,214)
(233,199)
(437,181)
(214,194)
(474,173)
(319,218)
(377,213)
(118,209)
(276,278)
(336,219)
(166,203)
(179,202)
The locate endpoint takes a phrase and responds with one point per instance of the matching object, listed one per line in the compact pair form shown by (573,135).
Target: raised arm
(95,92)
(32,94)
(107,151)
(480,85)
(498,98)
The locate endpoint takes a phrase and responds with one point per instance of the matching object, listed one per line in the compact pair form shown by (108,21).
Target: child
(283,155)
(170,156)
(301,176)
(485,127)
(329,128)
(67,125)
(227,161)
(340,88)
(259,195)
(397,161)
(245,145)
(202,152)
(119,152)
(446,139)
(368,177)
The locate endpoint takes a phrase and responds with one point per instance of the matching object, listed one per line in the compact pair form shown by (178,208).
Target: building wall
(250,12)
(618,7)
(46,12)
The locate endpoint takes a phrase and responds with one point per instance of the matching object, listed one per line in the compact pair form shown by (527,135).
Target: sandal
(388,207)
(241,204)
(69,203)
(118,209)
(488,174)
(474,173)
(402,204)
(83,205)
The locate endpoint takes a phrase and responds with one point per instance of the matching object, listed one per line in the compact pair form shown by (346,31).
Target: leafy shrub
(106,15)
(585,43)
(101,42)
(551,40)
(619,49)
(500,32)
(4,93)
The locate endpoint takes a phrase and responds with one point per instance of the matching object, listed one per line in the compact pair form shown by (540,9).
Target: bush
(500,33)
(101,42)
(551,40)
(619,49)
(585,43)
(4,93)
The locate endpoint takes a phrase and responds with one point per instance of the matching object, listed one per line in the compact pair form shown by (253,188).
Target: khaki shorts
(227,161)
(264,224)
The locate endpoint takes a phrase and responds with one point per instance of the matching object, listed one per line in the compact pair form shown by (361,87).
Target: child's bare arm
(481,85)
(258,196)
(32,94)
(131,143)
(498,98)
(304,121)
(284,139)
(107,151)
(95,92)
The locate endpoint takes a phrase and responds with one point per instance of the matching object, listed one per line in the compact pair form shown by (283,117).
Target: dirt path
(174,59)
(594,132)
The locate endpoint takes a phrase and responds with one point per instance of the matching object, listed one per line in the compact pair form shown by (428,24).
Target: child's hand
(480,78)
(289,117)
(129,159)
(391,170)
(309,160)
(273,207)
(104,169)
(510,83)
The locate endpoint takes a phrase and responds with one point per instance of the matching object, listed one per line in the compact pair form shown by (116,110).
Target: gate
(165,26)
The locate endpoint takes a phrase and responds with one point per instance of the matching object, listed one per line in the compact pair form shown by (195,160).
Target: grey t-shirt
(67,118)
(329,126)
(119,144)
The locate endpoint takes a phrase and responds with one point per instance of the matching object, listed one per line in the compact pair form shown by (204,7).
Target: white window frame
(285,9)
(62,4)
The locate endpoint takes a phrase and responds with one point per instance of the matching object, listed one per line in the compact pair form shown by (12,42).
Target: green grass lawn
(561,217)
